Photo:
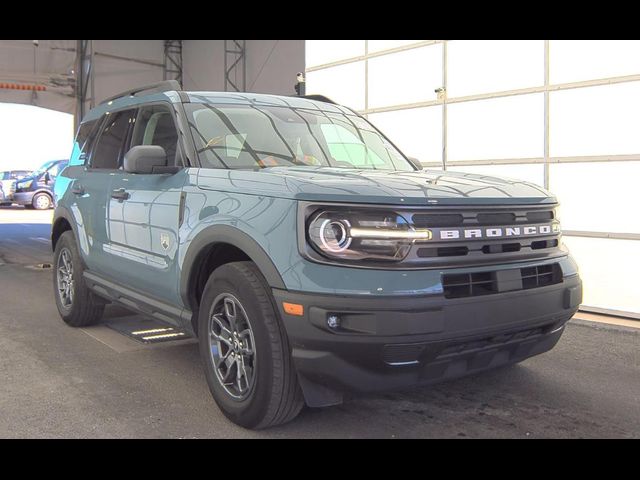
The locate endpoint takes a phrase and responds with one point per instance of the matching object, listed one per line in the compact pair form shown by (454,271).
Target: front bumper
(394,342)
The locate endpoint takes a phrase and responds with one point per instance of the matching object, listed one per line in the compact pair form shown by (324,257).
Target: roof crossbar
(165,86)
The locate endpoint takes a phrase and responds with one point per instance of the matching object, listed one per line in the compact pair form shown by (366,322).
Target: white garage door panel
(599,197)
(595,120)
(609,269)
(511,127)
(405,77)
(319,52)
(344,84)
(493,65)
(417,131)
(533,173)
(575,60)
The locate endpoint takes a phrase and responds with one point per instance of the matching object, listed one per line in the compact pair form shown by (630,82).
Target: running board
(138,302)
(146,331)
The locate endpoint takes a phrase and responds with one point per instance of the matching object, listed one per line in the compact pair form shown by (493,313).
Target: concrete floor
(56,381)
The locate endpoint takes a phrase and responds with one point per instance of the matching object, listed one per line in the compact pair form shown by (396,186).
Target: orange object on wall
(23,86)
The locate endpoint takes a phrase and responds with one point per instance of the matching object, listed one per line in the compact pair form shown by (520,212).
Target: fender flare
(62,212)
(233,236)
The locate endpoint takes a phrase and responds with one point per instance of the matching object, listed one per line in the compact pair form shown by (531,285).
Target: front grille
(483,235)
(518,215)
(461,285)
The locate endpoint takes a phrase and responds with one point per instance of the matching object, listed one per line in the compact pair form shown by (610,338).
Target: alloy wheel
(232,346)
(65,278)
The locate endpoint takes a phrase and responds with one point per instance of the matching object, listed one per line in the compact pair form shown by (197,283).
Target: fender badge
(164,241)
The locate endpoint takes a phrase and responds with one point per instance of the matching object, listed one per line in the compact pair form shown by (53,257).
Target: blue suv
(36,189)
(306,252)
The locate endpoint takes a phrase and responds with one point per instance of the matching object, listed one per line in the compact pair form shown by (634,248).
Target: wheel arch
(62,222)
(227,244)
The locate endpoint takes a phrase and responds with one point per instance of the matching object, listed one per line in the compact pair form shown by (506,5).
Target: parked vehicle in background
(36,189)
(8,181)
(307,253)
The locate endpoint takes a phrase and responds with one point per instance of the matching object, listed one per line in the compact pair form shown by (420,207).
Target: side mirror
(146,159)
(415,162)
(47,177)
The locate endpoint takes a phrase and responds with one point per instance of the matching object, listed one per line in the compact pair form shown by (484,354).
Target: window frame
(180,149)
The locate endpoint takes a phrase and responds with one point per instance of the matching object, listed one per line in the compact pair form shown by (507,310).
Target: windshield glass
(45,166)
(257,136)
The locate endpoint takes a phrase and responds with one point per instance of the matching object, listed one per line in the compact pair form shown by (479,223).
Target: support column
(235,65)
(173,61)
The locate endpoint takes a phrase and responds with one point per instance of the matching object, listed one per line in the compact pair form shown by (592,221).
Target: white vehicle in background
(8,181)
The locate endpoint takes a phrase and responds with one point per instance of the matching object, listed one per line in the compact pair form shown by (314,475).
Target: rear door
(144,210)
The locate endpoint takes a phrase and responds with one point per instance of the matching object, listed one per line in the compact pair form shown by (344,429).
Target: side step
(146,331)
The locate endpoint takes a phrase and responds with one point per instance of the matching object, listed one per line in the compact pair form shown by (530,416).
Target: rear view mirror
(147,159)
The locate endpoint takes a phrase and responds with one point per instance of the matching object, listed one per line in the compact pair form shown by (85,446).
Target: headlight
(363,235)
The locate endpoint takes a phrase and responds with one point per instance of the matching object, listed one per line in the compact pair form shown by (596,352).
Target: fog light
(333,321)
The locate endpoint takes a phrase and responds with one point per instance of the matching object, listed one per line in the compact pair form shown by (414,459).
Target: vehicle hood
(425,187)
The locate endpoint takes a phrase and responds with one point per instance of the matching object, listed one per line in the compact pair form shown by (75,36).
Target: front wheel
(77,305)
(245,350)
(41,201)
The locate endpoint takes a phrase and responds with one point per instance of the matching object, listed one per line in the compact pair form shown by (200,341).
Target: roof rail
(319,98)
(165,86)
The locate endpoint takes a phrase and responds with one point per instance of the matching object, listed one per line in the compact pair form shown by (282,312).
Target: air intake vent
(486,283)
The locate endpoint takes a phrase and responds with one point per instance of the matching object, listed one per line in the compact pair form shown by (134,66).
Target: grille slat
(484,235)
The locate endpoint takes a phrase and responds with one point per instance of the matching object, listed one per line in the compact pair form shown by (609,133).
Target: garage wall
(562,114)
(53,66)
(271,65)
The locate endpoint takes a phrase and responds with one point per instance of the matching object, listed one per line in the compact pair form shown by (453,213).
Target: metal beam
(608,235)
(511,93)
(235,63)
(130,59)
(546,114)
(173,60)
(368,55)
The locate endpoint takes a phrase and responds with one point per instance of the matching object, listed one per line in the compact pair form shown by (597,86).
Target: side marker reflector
(293,309)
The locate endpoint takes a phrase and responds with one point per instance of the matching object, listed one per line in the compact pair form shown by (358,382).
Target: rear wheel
(245,350)
(77,305)
(41,201)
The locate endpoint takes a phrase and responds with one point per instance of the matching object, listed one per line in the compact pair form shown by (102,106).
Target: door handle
(120,195)
(78,190)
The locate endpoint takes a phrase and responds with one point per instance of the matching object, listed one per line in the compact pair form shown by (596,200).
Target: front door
(143,213)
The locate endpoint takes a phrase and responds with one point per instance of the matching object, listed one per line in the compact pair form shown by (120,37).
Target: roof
(219,98)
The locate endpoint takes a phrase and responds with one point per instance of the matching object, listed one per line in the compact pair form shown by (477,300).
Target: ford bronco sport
(309,256)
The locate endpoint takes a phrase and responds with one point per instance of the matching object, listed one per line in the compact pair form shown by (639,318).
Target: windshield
(257,136)
(45,166)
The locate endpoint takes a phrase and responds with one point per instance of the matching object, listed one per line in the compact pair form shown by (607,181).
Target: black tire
(85,308)
(275,396)
(41,201)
